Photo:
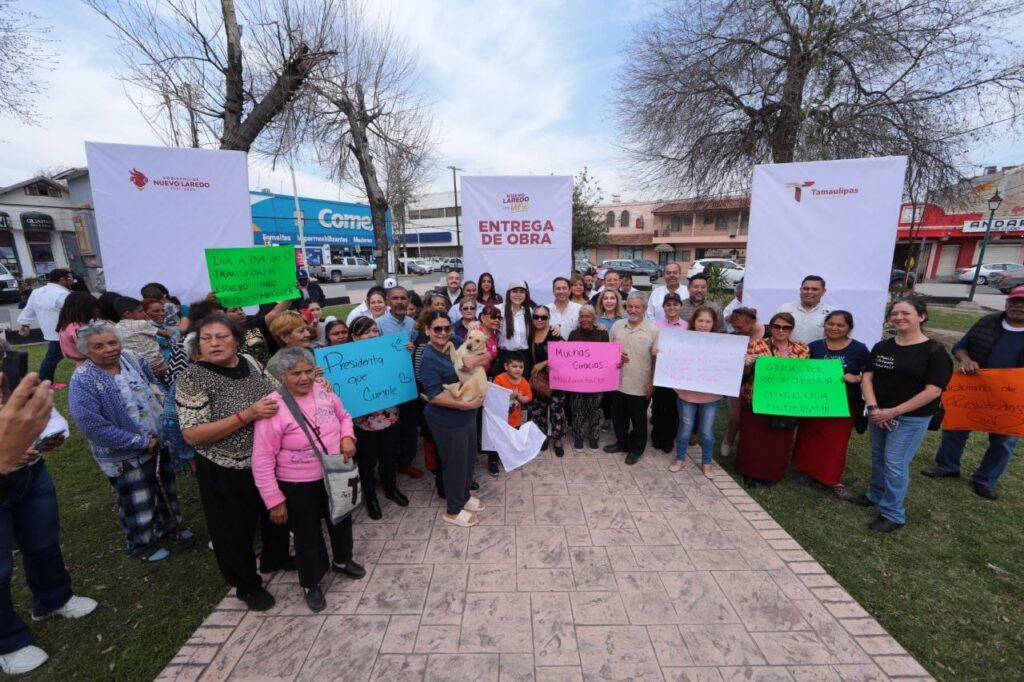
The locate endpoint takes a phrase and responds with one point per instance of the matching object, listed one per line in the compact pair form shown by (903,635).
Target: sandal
(153,555)
(464,519)
(709,472)
(474,505)
(677,466)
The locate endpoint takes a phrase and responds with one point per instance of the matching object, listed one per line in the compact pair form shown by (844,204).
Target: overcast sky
(523,87)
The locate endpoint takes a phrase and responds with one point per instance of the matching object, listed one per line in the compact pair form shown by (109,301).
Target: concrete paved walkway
(582,569)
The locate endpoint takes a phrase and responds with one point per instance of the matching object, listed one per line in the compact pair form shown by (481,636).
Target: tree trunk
(234,93)
(358,120)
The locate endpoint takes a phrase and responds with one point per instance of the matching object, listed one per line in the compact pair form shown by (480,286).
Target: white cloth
(733,305)
(519,340)
(515,447)
(43,307)
(568,320)
(810,324)
(360,310)
(654,309)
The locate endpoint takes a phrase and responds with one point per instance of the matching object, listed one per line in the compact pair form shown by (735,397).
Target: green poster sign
(799,388)
(252,275)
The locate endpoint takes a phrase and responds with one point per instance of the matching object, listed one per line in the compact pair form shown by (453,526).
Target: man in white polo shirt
(565,315)
(810,311)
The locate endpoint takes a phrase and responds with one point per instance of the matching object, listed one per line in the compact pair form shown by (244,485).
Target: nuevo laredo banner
(158,208)
(518,227)
(836,219)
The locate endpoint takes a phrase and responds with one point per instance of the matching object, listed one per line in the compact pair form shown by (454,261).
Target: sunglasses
(782,327)
(541,317)
(441,330)
(494,317)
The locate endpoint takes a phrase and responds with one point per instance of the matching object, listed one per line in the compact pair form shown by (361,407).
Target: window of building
(609,219)
(630,253)
(42,189)
(624,219)
(453,211)
(40,246)
(427,213)
(709,219)
(640,223)
(8,251)
(677,256)
(676,224)
(726,221)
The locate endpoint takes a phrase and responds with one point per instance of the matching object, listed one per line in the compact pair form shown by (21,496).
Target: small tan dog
(472,384)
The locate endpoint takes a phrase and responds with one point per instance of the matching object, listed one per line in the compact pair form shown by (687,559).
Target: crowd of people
(161,389)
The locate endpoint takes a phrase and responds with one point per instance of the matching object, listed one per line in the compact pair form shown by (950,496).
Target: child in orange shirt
(512,379)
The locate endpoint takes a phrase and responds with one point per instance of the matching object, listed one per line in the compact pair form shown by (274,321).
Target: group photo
(307,373)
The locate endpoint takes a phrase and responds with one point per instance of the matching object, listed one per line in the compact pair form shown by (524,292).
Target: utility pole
(455,191)
(993,206)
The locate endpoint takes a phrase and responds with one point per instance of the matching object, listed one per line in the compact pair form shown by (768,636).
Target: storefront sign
(37,221)
(991,400)
(998,225)
(370,375)
(799,388)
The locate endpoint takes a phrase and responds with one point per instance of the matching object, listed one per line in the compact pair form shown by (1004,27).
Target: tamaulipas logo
(516,203)
(173,183)
(822,193)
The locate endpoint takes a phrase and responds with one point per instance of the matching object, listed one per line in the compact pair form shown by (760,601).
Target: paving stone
(617,653)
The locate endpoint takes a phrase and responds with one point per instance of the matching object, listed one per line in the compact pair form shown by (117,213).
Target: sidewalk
(582,569)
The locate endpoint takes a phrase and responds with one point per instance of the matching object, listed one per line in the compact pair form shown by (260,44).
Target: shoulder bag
(539,381)
(341,478)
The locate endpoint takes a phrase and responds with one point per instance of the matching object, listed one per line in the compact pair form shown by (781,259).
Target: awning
(663,248)
(37,221)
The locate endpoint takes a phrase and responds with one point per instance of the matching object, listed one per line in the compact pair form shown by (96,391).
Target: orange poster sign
(991,400)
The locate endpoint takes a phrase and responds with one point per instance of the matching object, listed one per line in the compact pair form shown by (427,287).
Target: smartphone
(15,367)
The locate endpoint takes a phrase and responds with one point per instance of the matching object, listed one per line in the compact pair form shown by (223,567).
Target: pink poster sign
(583,367)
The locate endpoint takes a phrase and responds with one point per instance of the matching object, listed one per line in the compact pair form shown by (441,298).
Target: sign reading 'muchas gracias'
(326,223)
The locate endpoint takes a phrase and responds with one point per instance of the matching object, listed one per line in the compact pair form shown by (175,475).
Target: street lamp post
(455,193)
(993,205)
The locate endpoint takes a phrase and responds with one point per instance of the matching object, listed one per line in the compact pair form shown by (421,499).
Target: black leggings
(307,504)
(377,450)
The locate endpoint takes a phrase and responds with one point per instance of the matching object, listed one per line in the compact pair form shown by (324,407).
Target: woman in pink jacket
(289,476)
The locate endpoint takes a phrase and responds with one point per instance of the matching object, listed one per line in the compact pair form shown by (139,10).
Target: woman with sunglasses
(515,332)
(764,449)
(452,422)
(485,292)
(467,321)
(902,382)
(546,411)
(821,442)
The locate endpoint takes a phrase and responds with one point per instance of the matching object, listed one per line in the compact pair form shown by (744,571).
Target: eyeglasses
(494,317)
(441,330)
(782,327)
(541,317)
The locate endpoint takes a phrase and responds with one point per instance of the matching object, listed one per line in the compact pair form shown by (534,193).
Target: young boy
(138,335)
(512,379)
(166,335)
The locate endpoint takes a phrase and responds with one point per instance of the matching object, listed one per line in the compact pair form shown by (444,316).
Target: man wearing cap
(309,292)
(673,275)
(994,342)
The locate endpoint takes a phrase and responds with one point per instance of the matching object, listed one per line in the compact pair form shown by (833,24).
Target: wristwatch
(871,408)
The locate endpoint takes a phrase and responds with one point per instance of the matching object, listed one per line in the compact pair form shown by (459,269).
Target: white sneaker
(726,450)
(76,607)
(25,659)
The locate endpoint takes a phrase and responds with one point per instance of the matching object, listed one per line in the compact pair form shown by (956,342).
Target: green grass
(954,320)
(339,311)
(948,586)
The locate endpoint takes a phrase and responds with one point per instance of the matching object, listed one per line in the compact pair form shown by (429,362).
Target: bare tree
(22,55)
(220,73)
(715,86)
(406,154)
(364,119)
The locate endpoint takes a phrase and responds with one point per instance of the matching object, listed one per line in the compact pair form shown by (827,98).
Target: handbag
(341,478)
(540,382)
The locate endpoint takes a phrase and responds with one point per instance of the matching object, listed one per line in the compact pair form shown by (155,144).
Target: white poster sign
(515,447)
(700,361)
(518,227)
(158,208)
(835,219)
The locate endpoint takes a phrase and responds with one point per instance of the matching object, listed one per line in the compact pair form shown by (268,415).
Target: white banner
(700,361)
(836,219)
(518,227)
(157,208)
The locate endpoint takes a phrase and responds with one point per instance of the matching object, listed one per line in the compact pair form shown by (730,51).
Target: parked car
(996,279)
(986,271)
(732,270)
(1008,280)
(345,267)
(451,265)
(632,267)
(643,262)
(897,275)
(417,266)
(584,266)
(9,291)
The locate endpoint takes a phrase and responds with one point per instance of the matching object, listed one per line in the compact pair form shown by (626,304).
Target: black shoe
(577,444)
(615,447)
(559,451)
(351,569)
(260,600)
(984,491)
(594,444)
(936,472)
(315,599)
(544,445)
(473,485)
(862,501)
(884,525)
(492,465)
(632,458)
(373,509)
(397,497)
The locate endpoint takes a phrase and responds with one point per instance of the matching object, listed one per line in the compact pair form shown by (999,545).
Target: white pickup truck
(344,267)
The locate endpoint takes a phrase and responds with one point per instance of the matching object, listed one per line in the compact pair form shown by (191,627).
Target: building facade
(38,230)
(429,228)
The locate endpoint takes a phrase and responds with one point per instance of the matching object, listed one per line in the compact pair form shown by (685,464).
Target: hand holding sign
(585,367)
(799,388)
(252,275)
(990,400)
(369,375)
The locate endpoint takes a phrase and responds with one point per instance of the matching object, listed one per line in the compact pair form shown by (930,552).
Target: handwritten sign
(800,388)
(991,400)
(252,275)
(370,375)
(584,367)
(700,361)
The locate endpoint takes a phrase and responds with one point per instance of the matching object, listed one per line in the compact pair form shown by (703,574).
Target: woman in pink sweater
(289,476)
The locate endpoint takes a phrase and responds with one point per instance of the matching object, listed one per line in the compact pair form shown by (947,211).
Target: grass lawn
(953,319)
(949,586)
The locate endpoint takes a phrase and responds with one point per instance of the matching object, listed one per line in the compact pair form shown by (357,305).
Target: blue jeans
(993,463)
(29,521)
(891,455)
(703,416)
(48,367)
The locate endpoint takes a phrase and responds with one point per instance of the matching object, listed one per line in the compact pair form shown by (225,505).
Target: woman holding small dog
(452,422)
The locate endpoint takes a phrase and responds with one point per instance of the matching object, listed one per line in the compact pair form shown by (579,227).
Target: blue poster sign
(325,223)
(370,375)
